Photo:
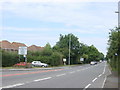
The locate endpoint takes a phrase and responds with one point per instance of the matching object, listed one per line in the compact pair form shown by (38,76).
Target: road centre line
(87,86)
(94,79)
(72,72)
(78,70)
(104,69)
(60,75)
(100,75)
(15,85)
(42,79)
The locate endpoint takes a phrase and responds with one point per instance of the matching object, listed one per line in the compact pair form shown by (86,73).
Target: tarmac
(112,81)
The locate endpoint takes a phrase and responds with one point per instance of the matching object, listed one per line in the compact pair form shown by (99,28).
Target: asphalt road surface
(85,76)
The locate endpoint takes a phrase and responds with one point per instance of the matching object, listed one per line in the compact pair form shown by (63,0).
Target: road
(85,76)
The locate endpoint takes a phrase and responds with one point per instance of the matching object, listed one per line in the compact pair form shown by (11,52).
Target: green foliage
(90,53)
(46,56)
(62,46)
(54,56)
(56,59)
(113,54)
(0,58)
(8,58)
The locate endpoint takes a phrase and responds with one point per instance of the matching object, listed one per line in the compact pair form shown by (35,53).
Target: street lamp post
(118,14)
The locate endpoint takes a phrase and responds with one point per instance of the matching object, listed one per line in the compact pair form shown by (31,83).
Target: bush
(9,59)
(45,56)
(56,59)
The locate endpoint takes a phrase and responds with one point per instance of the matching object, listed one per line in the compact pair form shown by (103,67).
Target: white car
(93,62)
(100,61)
(38,63)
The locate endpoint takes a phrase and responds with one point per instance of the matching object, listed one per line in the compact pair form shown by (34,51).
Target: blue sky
(39,22)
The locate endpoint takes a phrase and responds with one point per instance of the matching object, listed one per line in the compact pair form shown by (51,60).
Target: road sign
(22,51)
(64,59)
(81,59)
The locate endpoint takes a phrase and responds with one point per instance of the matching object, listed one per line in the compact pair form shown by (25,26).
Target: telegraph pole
(69,48)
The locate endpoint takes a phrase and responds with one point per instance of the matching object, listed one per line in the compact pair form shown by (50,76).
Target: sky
(42,21)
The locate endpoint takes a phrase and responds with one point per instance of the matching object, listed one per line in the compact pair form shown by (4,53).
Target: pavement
(112,80)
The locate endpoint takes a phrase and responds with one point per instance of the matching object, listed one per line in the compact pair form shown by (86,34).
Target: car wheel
(43,66)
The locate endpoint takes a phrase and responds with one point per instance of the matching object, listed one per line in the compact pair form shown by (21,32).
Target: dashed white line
(60,75)
(94,80)
(15,85)
(104,69)
(78,70)
(100,75)
(42,79)
(104,81)
(72,72)
(86,86)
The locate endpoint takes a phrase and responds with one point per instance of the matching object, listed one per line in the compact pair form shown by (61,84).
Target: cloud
(60,1)
(39,39)
(69,30)
(77,14)
(87,17)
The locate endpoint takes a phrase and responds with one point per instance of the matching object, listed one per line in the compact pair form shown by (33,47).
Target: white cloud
(68,13)
(39,39)
(60,1)
(68,30)
(95,21)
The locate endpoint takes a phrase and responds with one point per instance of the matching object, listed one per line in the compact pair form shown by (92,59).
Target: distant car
(39,64)
(93,62)
(100,61)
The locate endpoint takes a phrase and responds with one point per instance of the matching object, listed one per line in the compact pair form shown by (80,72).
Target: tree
(113,54)
(62,46)
(47,50)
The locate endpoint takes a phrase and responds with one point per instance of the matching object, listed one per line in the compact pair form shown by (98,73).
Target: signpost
(64,60)
(81,59)
(23,51)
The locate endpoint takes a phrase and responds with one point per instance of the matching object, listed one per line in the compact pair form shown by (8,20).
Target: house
(14,46)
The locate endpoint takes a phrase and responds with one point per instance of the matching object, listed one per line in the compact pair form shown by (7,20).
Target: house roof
(15,45)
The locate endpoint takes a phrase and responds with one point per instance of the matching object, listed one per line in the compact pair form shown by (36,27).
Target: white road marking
(42,79)
(104,82)
(94,80)
(84,69)
(72,72)
(78,70)
(87,86)
(100,75)
(60,75)
(104,69)
(15,85)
